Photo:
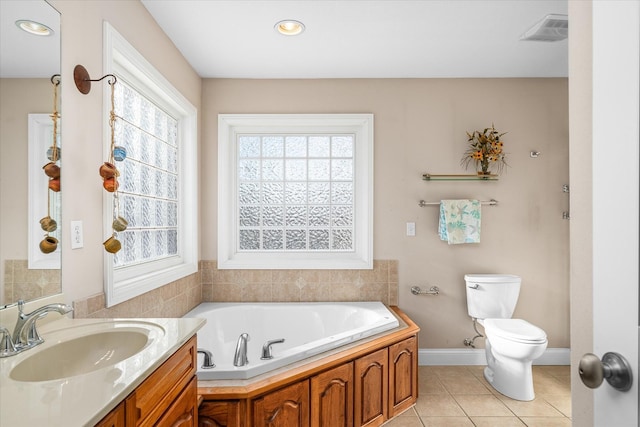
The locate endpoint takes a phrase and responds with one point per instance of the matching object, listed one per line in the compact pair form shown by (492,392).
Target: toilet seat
(517,330)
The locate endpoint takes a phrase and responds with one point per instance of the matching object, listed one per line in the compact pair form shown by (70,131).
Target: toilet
(511,345)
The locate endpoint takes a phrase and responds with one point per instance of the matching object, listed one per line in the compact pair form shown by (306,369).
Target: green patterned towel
(459,221)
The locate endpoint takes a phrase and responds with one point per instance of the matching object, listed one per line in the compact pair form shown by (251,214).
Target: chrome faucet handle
(207,363)
(7,348)
(266,348)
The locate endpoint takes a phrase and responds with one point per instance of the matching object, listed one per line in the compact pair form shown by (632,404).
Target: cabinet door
(183,412)
(332,397)
(151,399)
(219,414)
(371,389)
(115,418)
(403,375)
(288,407)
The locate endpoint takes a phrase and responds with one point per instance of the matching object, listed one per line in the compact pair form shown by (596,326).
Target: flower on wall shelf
(485,151)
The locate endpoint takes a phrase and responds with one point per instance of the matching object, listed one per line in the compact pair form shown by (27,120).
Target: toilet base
(517,386)
(511,377)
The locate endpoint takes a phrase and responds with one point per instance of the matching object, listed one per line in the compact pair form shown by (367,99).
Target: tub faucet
(240,357)
(25,334)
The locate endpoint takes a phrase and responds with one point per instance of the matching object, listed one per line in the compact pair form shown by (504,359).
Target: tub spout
(240,357)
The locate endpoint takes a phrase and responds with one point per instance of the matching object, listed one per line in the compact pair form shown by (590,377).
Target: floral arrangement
(485,149)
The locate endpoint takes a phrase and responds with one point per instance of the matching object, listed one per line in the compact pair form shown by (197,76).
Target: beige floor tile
(565,380)
(404,422)
(544,384)
(448,371)
(482,404)
(431,386)
(553,370)
(561,402)
(411,412)
(546,422)
(438,405)
(537,407)
(446,422)
(497,422)
(468,384)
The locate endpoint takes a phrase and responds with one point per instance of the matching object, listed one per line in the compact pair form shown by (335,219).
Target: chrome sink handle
(6,344)
(266,348)
(25,334)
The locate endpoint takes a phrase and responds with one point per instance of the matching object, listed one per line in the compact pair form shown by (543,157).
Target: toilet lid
(515,330)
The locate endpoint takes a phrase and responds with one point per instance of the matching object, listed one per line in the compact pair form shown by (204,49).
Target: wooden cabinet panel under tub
(364,383)
(332,397)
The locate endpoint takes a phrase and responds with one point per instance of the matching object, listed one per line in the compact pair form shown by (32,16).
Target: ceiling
(25,55)
(363,38)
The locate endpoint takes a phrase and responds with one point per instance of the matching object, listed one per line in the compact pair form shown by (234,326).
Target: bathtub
(307,328)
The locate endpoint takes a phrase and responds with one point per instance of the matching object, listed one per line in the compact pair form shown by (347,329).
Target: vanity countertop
(83,400)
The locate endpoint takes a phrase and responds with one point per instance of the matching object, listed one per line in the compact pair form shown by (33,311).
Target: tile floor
(459,396)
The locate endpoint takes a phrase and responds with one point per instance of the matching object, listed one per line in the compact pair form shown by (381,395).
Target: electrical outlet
(411,229)
(77,239)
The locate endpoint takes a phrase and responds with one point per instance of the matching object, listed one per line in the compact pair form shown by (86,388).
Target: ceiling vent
(551,28)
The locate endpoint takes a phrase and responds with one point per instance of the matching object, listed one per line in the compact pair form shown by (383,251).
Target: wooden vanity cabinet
(167,397)
(115,418)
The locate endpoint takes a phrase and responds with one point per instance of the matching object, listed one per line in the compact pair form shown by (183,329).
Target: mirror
(27,63)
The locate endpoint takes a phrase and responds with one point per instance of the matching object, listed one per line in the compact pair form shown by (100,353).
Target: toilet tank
(492,296)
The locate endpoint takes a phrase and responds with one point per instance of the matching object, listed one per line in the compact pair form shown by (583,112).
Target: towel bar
(423,204)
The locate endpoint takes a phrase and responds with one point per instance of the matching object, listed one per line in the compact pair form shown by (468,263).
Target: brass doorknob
(613,367)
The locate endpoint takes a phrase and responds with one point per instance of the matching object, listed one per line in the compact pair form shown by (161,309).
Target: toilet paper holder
(434,290)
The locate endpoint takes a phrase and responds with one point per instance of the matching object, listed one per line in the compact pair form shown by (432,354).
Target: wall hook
(534,154)
(83,81)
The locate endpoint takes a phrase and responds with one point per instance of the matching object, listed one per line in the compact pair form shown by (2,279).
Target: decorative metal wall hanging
(52,170)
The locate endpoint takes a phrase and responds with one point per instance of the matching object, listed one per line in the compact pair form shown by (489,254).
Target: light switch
(411,229)
(77,239)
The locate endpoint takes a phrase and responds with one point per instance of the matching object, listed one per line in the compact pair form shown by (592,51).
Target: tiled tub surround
(210,284)
(172,300)
(378,284)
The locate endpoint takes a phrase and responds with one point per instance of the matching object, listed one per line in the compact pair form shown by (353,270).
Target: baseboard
(473,356)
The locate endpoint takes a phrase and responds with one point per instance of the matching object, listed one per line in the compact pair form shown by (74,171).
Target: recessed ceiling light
(289,27)
(33,27)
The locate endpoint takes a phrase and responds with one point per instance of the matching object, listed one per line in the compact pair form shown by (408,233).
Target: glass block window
(158,192)
(149,181)
(295,192)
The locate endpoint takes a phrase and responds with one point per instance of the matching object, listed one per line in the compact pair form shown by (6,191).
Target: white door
(616,79)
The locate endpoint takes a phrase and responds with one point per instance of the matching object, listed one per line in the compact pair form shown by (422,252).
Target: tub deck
(252,387)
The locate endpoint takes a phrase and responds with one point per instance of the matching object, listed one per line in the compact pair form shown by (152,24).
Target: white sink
(76,351)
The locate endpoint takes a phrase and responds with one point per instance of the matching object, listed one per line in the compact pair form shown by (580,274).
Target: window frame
(124,283)
(232,125)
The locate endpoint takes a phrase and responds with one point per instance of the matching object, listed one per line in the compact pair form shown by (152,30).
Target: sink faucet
(240,358)
(25,334)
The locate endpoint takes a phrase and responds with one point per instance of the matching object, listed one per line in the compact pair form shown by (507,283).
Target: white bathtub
(307,328)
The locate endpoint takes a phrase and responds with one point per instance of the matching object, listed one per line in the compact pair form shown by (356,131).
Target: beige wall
(82,130)
(420,127)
